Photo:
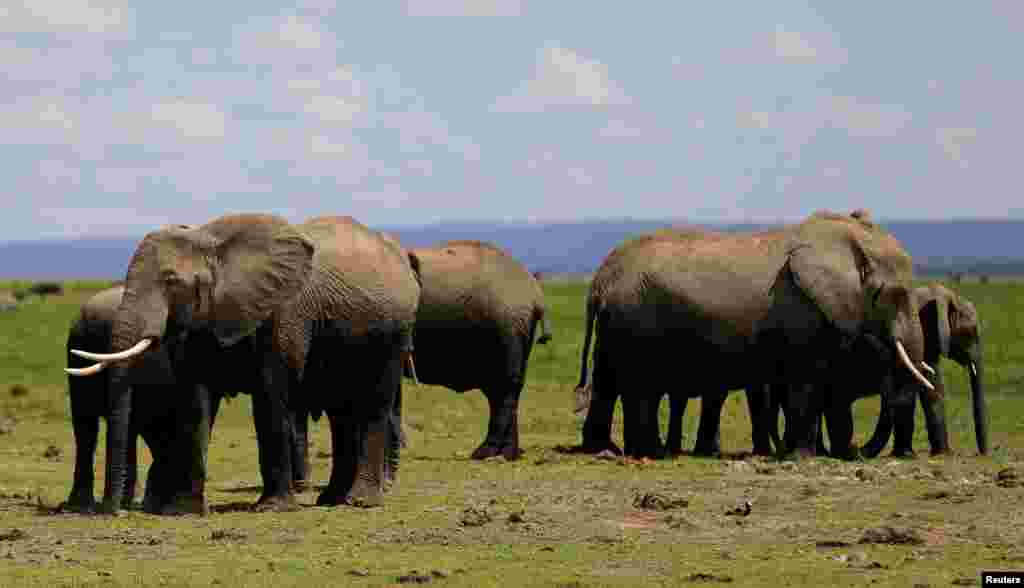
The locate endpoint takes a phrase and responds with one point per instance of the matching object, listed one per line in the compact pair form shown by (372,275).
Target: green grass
(579,527)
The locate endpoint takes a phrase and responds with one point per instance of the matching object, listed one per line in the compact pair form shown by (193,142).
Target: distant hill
(973,247)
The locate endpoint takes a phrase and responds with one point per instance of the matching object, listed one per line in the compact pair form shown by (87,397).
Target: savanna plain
(552,518)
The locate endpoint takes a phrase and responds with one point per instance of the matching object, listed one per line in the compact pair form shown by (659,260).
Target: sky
(117,118)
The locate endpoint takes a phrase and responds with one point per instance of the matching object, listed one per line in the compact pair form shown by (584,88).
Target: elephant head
(229,276)
(860,277)
(953,330)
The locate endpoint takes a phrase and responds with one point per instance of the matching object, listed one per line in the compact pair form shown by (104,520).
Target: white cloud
(620,129)
(322,145)
(562,78)
(193,120)
(792,46)
(463,7)
(57,172)
(953,141)
(108,220)
(857,118)
(334,109)
(64,16)
(419,129)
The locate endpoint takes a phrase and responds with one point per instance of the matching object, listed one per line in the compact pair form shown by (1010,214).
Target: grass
(574,524)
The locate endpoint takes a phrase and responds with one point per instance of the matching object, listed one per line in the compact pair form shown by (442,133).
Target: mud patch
(892,536)
(656,501)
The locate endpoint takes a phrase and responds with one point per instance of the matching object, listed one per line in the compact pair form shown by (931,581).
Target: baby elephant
(479,309)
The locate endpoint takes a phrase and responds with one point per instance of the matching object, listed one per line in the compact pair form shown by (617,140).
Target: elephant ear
(834,279)
(262,262)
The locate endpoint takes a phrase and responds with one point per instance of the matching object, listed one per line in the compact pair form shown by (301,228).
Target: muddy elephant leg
(935,415)
(86,425)
(883,430)
(677,414)
(709,435)
(131,471)
(345,453)
(597,426)
(802,413)
(274,435)
(503,426)
(396,441)
(368,486)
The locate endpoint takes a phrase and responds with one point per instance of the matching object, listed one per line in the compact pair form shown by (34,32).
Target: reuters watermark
(1002,578)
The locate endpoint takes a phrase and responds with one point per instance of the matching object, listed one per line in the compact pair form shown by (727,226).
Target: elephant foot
(487,451)
(276,503)
(186,504)
(365,494)
(799,454)
(79,502)
(904,453)
(707,451)
(943,452)
(595,447)
(303,485)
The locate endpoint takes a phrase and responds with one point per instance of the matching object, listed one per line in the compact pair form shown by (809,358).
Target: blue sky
(119,117)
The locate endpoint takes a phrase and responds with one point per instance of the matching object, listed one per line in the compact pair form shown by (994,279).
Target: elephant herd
(328,316)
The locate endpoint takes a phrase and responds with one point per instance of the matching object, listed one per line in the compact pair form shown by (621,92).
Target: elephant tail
(584,388)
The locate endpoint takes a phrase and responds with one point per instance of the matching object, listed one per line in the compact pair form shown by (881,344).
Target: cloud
(953,141)
(852,115)
(620,129)
(64,16)
(564,78)
(792,46)
(192,120)
(463,7)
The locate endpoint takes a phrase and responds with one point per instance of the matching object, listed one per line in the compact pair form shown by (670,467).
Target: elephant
(162,407)
(475,325)
(952,329)
(775,307)
(301,308)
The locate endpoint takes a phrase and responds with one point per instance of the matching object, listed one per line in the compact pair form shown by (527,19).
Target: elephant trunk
(976,367)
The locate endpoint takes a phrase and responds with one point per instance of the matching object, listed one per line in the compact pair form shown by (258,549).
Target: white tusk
(137,349)
(974,370)
(927,368)
(910,365)
(86,371)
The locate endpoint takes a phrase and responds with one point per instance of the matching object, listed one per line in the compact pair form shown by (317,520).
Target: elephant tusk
(974,370)
(910,365)
(120,355)
(87,371)
(927,368)
(412,368)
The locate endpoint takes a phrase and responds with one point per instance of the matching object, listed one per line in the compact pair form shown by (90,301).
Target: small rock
(1007,478)
(52,452)
(741,510)
(475,517)
(14,535)
(654,501)
(892,536)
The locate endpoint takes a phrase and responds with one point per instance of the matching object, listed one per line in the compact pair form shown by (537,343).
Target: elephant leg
(503,426)
(131,472)
(709,435)
(677,414)
(300,450)
(883,430)
(935,415)
(597,426)
(396,441)
(640,424)
(86,425)
(760,408)
(840,431)
(274,436)
(903,426)
(375,436)
(802,412)
(345,453)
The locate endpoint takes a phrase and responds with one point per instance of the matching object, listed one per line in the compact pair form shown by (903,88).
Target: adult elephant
(306,306)
(745,309)
(478,312)
(952,329)
(162,407)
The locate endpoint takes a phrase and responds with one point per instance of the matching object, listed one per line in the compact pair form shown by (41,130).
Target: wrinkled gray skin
(304,306)
(478,311)
(952,329)
(740,310)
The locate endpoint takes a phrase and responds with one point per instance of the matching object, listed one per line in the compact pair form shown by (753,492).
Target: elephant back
(356,274)
(476,281)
